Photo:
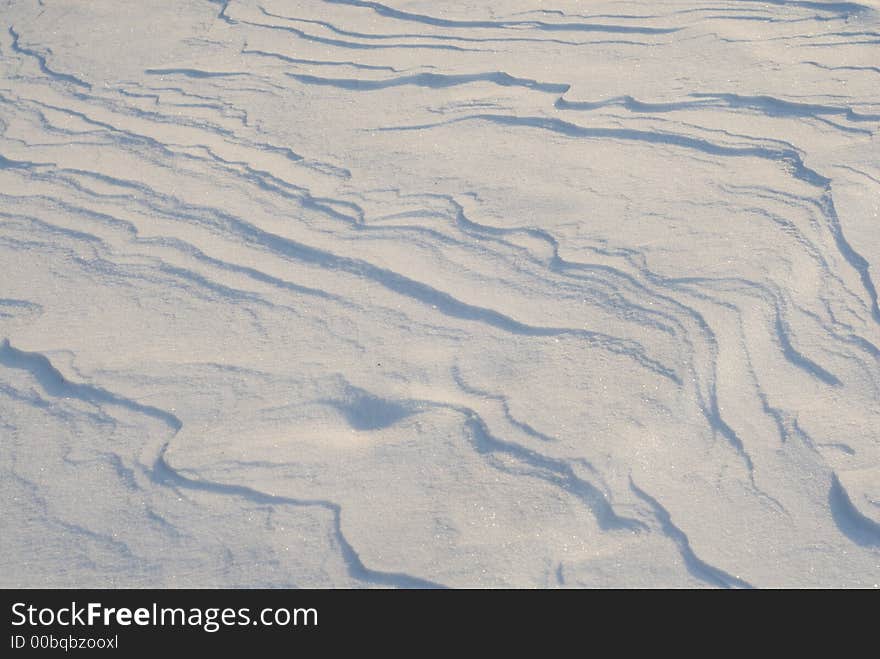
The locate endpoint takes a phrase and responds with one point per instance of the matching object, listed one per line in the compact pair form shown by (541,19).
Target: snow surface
(407,293)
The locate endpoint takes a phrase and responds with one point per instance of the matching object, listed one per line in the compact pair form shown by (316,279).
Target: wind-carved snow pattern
(413,294)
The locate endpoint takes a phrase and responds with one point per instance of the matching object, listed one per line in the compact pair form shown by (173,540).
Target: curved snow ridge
(437,299)
(425,19)
(857,527)
(788,157)
(194,73)
(311,62)
(843,9)
(43,63)
(165,475)
(432,81)
(766,105)
(365,411)
(700,569)
(55,384)
(356,45)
